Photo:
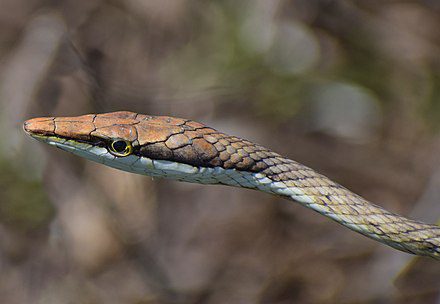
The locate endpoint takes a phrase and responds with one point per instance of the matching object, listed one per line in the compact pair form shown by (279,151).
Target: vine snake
(189,151)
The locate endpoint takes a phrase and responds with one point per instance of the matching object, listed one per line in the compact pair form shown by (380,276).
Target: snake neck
(319,193)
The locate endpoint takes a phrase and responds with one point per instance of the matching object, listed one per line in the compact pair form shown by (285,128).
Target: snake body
(189,151)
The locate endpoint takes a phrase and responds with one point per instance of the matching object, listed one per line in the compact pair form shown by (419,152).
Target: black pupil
(120,146)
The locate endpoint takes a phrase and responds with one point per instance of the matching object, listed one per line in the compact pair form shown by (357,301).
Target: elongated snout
(40,126)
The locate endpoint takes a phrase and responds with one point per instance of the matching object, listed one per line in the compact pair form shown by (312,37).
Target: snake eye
(120,148)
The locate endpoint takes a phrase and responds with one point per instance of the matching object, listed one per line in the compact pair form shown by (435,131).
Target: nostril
(26,125)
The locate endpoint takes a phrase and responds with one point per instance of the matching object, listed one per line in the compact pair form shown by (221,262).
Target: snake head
(106,138)
(129,141)
(151,145)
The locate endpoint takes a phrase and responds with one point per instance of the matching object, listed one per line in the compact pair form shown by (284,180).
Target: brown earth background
(350,88)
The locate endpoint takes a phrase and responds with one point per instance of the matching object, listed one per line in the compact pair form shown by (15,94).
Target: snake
(189,151)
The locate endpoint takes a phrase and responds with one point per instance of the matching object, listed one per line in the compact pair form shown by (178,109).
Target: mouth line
(65,144)
(95,142)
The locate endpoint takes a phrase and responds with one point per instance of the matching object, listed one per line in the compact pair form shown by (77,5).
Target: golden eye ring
(120,148)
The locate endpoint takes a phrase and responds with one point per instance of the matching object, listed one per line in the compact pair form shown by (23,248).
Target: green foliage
(24,203)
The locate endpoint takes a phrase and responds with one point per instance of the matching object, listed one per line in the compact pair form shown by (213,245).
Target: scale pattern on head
(166,138)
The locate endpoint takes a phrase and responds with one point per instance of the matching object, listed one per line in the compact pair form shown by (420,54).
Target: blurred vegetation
(350,88)
(25,204)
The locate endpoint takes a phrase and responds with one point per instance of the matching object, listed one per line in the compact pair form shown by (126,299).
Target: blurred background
(350,88)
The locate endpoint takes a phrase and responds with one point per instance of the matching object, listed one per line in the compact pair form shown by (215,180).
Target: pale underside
(205,175)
